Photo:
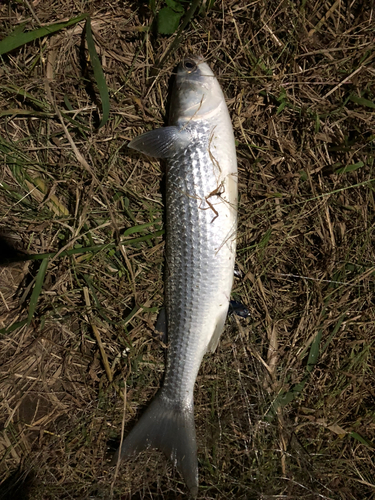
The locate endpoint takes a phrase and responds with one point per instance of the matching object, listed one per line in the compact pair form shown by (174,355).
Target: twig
(342,83)
(33,12)
(324,18)
(121,441)
(97,336)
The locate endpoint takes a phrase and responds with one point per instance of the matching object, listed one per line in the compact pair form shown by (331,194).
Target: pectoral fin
(162,142)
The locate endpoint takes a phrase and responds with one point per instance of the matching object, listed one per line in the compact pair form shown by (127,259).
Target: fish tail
(169,427)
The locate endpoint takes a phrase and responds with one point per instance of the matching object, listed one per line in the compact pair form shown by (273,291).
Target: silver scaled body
(201,220)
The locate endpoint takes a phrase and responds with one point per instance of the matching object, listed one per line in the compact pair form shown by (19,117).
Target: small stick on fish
(215,192)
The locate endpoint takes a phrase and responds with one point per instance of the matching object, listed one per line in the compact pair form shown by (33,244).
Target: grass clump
(284,408)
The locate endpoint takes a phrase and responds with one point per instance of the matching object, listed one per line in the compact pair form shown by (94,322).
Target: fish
(235,307)
(198,147)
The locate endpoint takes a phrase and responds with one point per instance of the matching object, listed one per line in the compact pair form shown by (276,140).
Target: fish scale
(201,221)
(196,260)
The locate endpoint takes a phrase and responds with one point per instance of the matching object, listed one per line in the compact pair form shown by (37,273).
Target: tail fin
(171,429)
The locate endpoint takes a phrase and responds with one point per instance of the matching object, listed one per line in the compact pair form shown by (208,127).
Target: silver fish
(201,222)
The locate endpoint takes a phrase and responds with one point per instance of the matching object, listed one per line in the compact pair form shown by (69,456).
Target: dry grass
(272,420)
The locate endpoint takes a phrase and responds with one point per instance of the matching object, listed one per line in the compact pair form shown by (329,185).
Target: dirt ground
(285,406)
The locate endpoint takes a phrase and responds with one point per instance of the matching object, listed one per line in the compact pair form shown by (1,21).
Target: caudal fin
(171,429)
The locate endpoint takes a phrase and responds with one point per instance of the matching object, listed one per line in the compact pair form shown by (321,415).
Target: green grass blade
(281,107)
(83,250)
(10,329)
(139,228)
(314,351)
(350,168)
(18,38)
(67,103)
(169,18)
(13,89)
(37,289)
(266,238)
(362,101)
(361,439)
(98,74)
(24,112)
(334,332)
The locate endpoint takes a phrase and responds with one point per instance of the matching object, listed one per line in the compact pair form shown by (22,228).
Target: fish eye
(189,65)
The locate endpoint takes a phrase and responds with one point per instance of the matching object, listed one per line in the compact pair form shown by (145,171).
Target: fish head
(196,94)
